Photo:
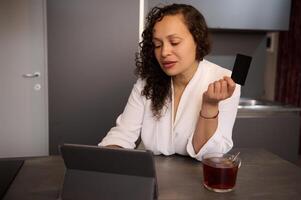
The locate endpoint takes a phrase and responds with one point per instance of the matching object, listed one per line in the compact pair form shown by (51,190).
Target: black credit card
(241,68)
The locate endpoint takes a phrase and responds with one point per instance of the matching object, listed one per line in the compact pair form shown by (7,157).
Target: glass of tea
(220,171)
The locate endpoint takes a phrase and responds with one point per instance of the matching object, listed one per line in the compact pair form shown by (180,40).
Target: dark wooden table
(262,175)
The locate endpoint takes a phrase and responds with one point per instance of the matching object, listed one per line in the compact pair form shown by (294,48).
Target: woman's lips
(169,64)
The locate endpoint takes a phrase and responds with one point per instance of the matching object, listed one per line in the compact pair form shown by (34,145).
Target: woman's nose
(165,50)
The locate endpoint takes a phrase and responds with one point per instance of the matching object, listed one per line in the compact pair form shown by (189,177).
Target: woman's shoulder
(215,69)
(140,83)
(139,87)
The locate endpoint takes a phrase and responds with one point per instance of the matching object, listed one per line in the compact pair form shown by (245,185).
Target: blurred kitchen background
(67,69)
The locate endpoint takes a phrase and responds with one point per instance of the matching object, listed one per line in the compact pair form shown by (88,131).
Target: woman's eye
(157,45)
(175,43)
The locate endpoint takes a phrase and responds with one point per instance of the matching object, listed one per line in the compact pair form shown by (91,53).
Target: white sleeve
(221,140)
(128,124)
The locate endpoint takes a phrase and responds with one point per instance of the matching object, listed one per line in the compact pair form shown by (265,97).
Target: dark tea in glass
(220,171)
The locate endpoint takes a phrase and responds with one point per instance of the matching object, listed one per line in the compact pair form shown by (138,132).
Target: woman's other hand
(113,146)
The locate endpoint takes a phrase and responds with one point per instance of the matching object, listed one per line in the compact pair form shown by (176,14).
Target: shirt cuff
(116,141)
(215,144)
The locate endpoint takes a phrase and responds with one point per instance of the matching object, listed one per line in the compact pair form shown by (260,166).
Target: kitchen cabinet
(91,59)
(275,131)
(264,15)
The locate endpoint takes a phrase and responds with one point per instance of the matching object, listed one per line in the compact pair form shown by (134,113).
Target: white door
(23,79)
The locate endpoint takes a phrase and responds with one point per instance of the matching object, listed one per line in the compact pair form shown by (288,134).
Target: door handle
(34,75)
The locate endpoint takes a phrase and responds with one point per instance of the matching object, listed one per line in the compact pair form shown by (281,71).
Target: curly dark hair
(157,86)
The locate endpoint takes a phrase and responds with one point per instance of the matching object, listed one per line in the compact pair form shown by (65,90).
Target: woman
(181,103)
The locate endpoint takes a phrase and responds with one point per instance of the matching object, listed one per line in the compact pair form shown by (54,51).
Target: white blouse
(165,136)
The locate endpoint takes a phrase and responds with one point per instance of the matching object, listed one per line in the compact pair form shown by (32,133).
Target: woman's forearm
(208,120)
(206,126)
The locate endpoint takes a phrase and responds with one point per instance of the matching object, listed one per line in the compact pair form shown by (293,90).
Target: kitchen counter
(250,107)
(264,105)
